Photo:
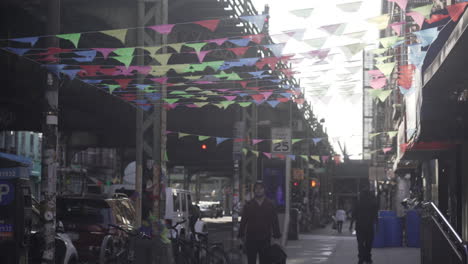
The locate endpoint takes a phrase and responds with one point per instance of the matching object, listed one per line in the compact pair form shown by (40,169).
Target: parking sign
(7,193)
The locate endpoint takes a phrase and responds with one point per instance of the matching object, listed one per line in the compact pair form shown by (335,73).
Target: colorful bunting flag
(303,13)
(425,11)
(257,20)
(401,3)
(350,7)
(163,29)
(209,24)
(381,22)
(119,34)
(73,38)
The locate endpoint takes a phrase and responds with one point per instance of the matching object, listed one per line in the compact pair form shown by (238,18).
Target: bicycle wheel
(108,251)
(216,255)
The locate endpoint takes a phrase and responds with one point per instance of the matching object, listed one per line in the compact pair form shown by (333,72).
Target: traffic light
(295,183)
(204,147)
(314,183)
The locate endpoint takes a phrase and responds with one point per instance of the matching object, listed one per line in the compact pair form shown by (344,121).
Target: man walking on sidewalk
(366,217)
(259,222)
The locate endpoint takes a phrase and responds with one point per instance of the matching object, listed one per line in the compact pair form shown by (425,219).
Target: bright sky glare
(341,103)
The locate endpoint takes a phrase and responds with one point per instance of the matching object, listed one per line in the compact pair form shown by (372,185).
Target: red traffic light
(296,184)
(203,146)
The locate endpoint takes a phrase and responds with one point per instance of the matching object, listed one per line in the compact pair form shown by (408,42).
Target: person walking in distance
(365,215)
(340,217)
(258,224)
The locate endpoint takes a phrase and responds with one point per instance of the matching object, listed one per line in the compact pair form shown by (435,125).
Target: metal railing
(440,243)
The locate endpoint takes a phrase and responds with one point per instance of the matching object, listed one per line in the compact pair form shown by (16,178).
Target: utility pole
(49,143)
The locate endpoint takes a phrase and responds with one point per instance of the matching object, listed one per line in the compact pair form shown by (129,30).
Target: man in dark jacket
(365,214)
(258,224)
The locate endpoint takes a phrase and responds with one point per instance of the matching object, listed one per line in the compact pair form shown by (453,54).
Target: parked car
(207,210)
(87,221)
(65,251)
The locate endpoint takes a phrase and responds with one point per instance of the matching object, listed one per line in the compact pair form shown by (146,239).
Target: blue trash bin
(387,213)
(413,224)
(379,239)
(392,231)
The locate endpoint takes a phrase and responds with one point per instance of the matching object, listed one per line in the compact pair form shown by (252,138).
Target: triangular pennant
(356,35)
(127,60)
(245,104)
(257,20)
(381,22)
(200,104)
(171,100)
(371,135)
(401,3)
(219,41)
(30,40)
(73,38)
(427,36)
(181,135)
(316,140)
(385,150)
(315,42)
(162,58)
(387,42)
(303,13)
(378,83)
(382,95)
(203,138)
(334,29)
(352,49)
(239,51)
(295,140)
(112,87)
(297,34)
(305,157)
(386,68)
(315,157)
(162,29)
(423,10)
(256,141)
(124,51)
(397,27)
(268,155)
(119,34)
(176,46)
(201,55)
(418,18)
(273,103)
(17,51)
(276,49)
(209,24)
(391,134)
(350,7)
(255,152)
(220,140)
(196,46)
(123,82)
(325,158)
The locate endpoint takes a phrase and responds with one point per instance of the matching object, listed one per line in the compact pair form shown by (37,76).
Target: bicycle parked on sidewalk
(117,249)
(197,249)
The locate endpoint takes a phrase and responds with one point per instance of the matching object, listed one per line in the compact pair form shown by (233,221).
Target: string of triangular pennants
(417,52)
(384,70)
(317,158)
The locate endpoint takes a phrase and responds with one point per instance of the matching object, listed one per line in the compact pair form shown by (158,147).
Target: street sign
(281,140)
(7,193)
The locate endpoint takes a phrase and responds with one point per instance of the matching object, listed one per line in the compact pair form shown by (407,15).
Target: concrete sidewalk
(326,247)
